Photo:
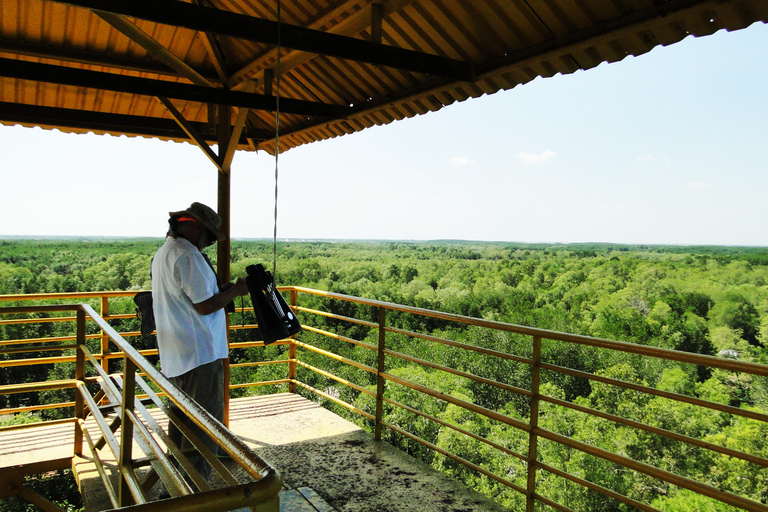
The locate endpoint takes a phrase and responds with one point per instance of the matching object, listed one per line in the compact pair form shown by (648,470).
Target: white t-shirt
(186,339)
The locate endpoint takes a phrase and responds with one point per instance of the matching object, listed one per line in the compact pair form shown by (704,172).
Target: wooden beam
(190,131)
(39,501)
(377,15)
(237,131)
(224,132)
(240,26)
(348,26)
(141,38)
(113,123)
(34,71)
(91,58)
(34,468)
(212,45)
(269,77)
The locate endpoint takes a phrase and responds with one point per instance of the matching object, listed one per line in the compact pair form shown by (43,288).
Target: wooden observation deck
(327,463)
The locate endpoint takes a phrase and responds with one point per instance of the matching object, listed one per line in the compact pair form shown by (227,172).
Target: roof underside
(172,70)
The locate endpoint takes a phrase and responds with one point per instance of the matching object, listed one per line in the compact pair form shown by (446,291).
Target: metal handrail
(118,397)
(534,432)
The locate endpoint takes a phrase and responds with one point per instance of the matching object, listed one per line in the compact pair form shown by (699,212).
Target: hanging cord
(277,143)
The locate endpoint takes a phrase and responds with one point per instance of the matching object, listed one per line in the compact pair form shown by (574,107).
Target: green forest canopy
(702,299)
(708,300)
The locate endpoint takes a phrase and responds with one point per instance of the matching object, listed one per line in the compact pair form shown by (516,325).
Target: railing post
(380,370)
(103,356)
(80,376)
(126,430)
(292,349)
(533,441)
(227,375)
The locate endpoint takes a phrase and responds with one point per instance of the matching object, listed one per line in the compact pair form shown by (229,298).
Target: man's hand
(241,285)
(228,293)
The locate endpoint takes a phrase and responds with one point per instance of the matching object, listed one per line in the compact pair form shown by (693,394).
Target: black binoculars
(275,318)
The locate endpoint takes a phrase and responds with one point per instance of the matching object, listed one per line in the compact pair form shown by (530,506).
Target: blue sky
(667,148)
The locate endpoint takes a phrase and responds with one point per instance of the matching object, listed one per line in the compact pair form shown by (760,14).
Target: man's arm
(217,301)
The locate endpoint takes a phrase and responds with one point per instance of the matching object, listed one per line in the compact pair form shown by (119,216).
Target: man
(189,313)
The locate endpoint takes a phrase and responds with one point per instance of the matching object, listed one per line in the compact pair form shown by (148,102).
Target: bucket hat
(207,217)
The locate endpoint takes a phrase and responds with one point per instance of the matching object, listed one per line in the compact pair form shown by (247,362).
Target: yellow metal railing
(380,320)
(532,455)
(111,417)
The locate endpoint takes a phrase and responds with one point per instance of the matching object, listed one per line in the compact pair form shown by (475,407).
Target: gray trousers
(205,384)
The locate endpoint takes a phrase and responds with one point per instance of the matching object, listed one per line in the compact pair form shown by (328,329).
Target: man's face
(206,238)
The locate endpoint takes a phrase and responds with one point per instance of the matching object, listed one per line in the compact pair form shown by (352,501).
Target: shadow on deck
(327,463)
(314,448)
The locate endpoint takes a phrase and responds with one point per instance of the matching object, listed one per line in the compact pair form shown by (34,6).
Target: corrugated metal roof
(100,66)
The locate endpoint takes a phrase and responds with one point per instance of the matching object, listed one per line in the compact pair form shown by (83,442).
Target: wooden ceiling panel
(489,35)
(339,79)
(452,38)
(321,84)
(504,23)
(550,24)
(36,25)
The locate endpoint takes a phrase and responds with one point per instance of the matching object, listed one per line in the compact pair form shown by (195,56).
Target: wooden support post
(269,77)
(211,109)
(377,15)
(223,249)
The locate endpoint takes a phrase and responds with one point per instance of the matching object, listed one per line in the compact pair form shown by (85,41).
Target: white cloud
(461,161)
(535,159)
(653,159)
(698,184)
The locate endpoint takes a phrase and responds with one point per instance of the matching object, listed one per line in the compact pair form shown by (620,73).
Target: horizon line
(373,240)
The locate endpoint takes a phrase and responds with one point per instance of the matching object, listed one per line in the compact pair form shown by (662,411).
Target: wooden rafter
(191,132)
(64,67)
(348,26)
(153,47)
(104,121)
(212,46)
(134,85)
(215,21)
